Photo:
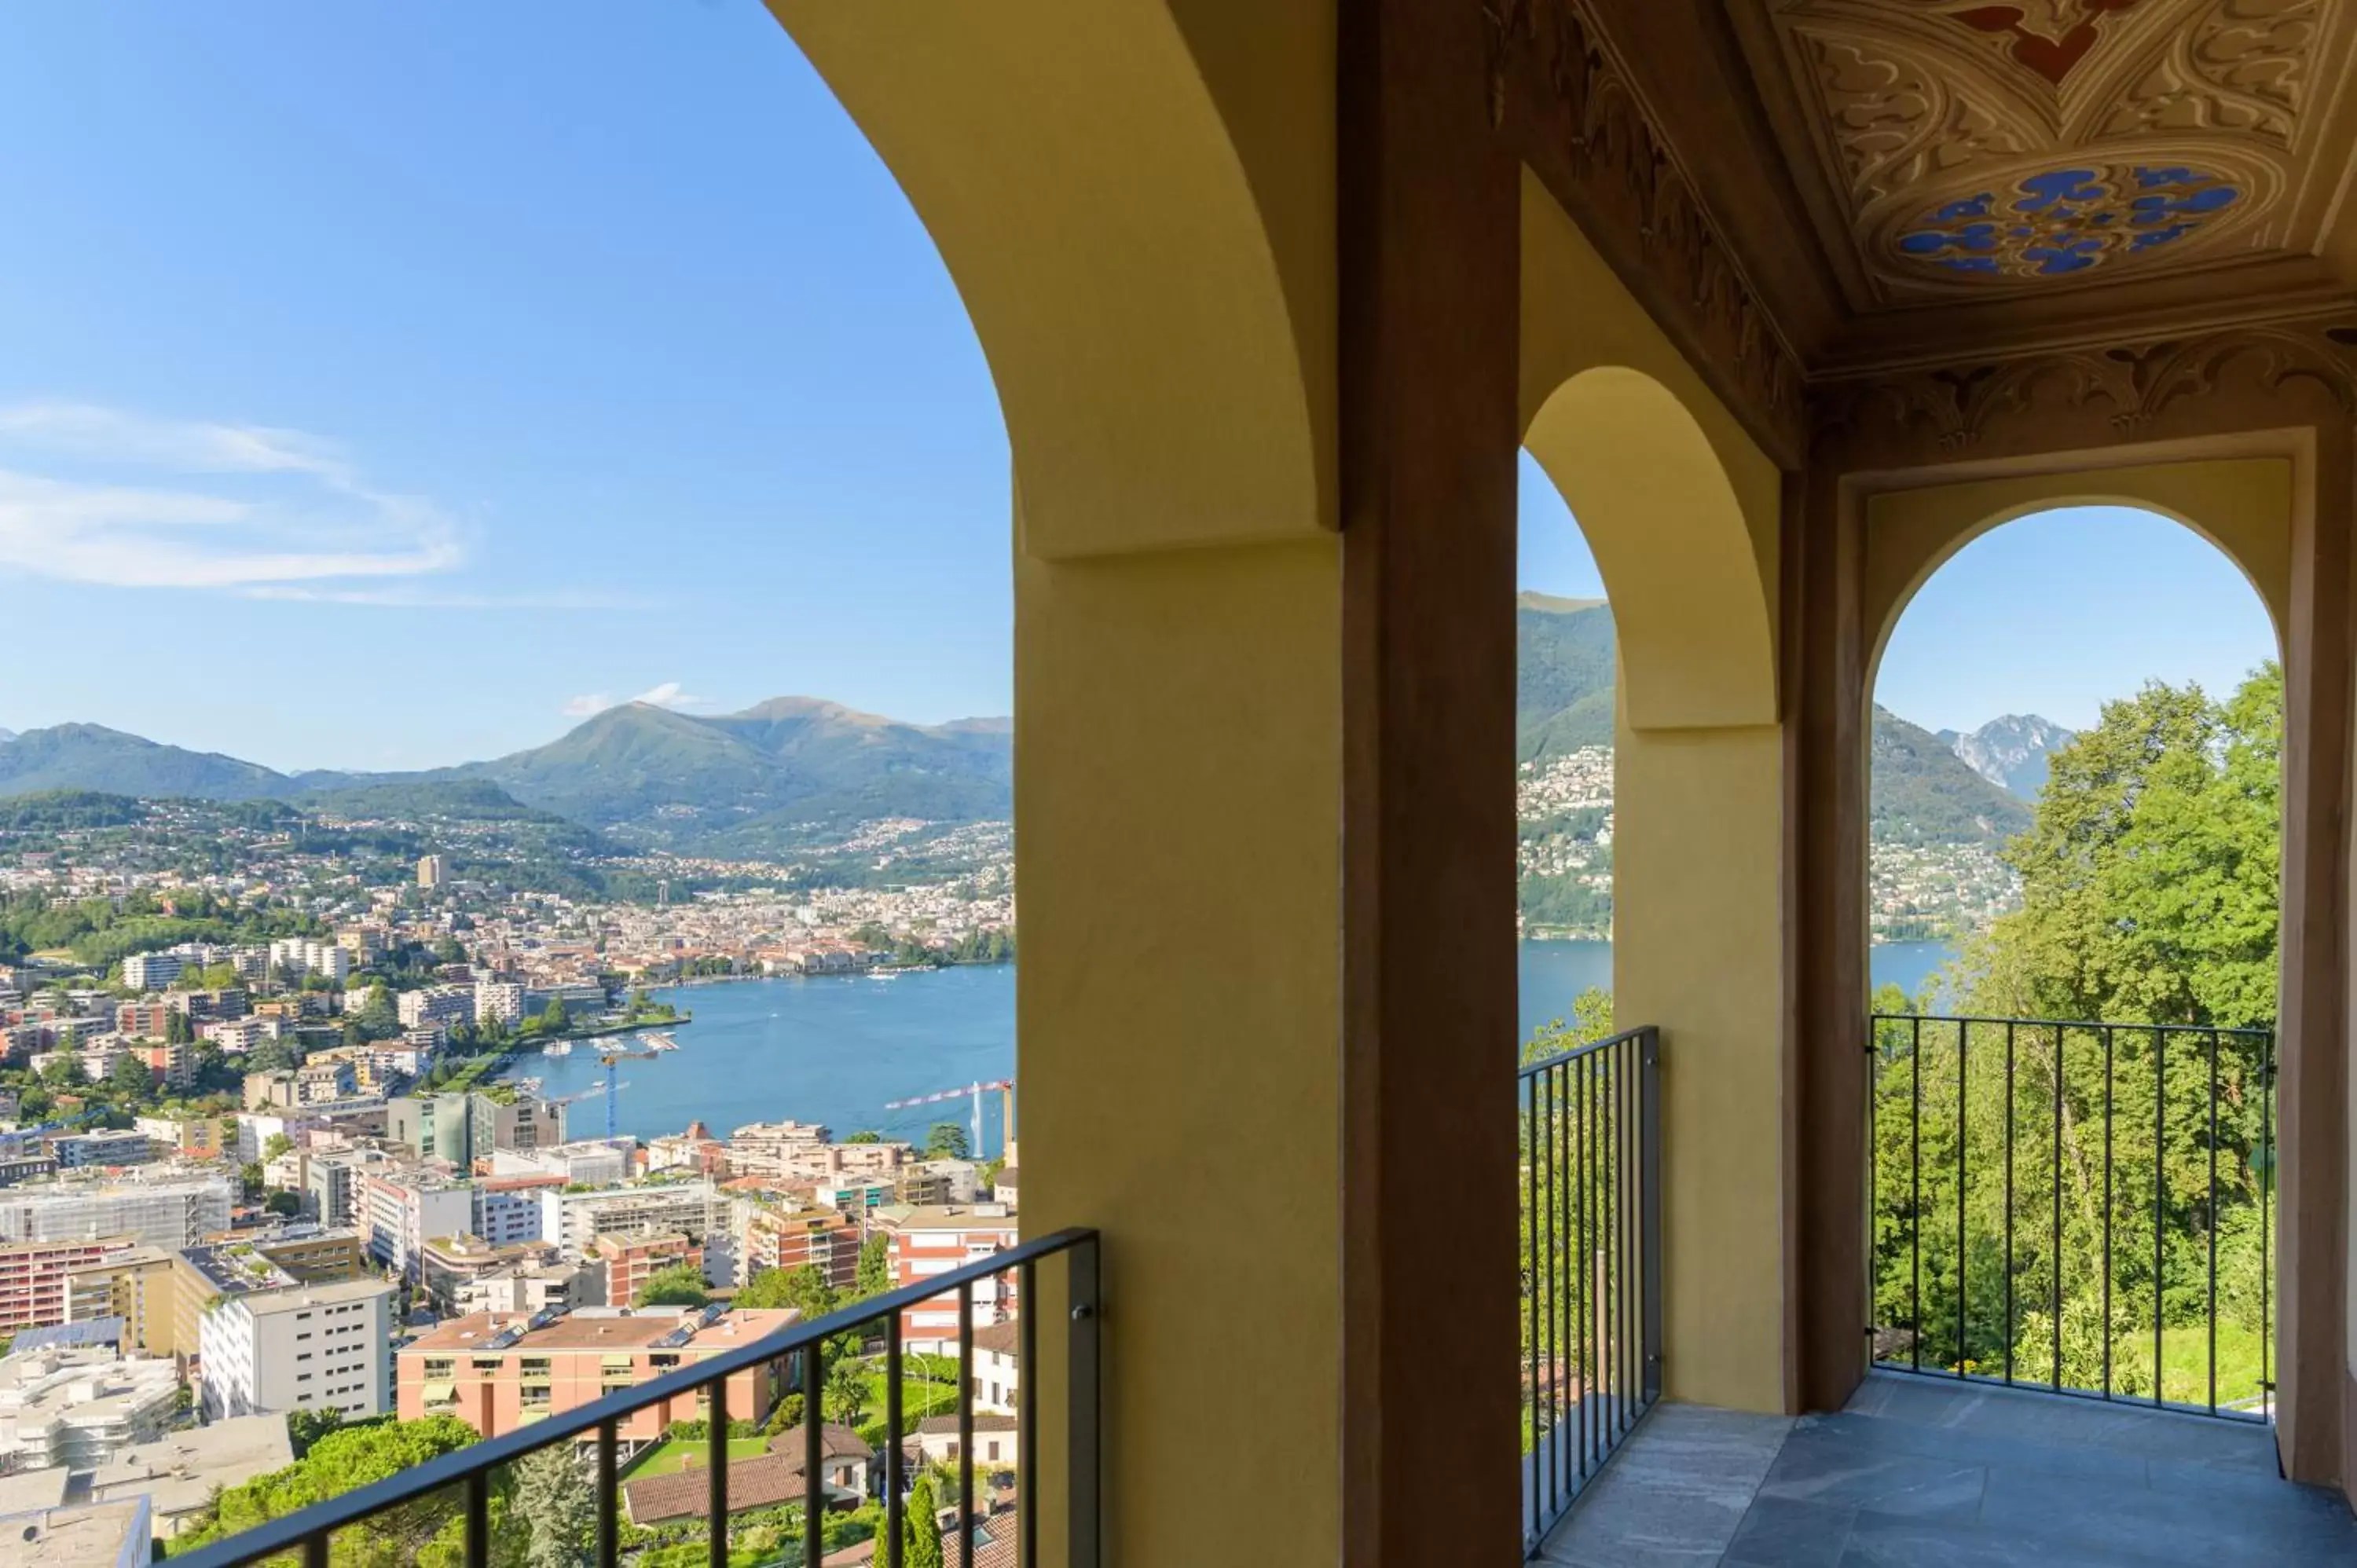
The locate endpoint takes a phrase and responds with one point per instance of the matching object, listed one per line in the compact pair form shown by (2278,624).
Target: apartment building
(319,1347)
(89,1151)
(431,871)
(495,1373)
(144,1020)
(162,1213)
(934,1240)
(771,1238)
(435,1007)
(299,956)
(627,1261)
(773,1148)
(590,1163)
(449,1265)
(133,1284)
(575,1219)
(78,1406)
(152,971)
(33,1275)
(519,1289)
(397,1212)
(194,1137)
(498,1002)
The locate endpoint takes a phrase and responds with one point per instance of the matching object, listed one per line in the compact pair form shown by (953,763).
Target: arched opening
(2075,868)
(1681,510)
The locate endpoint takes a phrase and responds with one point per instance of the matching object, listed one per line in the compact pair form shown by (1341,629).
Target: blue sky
(389,385)
(2053,614)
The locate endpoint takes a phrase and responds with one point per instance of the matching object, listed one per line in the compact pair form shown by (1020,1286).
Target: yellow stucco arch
(1683,513)
(1134,198)
(2242,506)
(1678,504)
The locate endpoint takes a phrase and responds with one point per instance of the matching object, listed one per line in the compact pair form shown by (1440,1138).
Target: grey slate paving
(1920,1473)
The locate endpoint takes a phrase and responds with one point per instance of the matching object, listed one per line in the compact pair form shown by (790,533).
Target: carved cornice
(2231,377)
(1557,85)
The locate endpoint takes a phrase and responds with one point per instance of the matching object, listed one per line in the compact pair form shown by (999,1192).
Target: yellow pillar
(1178,726)
(1698,950)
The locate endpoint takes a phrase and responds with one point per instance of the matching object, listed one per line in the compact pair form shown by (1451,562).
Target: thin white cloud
(667,696)
(96,495)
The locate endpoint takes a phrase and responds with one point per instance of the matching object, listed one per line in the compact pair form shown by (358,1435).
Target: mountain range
(795,771)
(1925,790)
(782,773)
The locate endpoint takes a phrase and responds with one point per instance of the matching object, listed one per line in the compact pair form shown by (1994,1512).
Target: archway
(1680,509)
(2129,891)
(1136,203)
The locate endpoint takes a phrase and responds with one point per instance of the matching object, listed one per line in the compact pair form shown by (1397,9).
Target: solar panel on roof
(96,1331)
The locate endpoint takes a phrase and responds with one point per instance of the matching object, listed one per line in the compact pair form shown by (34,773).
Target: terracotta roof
(1002,1338)
(835,1441)
(761,1482)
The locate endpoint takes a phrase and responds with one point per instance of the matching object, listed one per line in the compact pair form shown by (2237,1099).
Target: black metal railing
(462,1482)
(2081,1208)
(1591,1285)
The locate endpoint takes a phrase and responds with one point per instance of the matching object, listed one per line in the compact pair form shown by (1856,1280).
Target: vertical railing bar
(1543,1285)
(2159,1191)
(315,1550)
(1581,1267)
(1873,1181)
(2056,1365)
(1026,1413)
(716,1459)
(2267,1203)
(1650,1190)
(815,1451)
(2213,1222)
(896,1456)
(1084,1549)
(1622,1212)
(2008,1201)
(1915,1198)
(1964,1136)
(965,1424)
(2108,1213)
(1563,1265)
(479,1518)
(609,1518)
(1531,1253)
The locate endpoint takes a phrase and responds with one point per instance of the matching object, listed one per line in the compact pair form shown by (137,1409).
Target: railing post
(1648,1187)
(1086,1542)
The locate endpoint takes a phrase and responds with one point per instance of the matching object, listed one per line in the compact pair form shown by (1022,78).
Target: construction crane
(608,1088)
(1006,1121)
(610,1058)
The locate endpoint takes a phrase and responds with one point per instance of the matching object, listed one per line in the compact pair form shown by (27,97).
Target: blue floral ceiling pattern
(2060,221)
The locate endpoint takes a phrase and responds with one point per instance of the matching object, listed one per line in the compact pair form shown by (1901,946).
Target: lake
(835,1050)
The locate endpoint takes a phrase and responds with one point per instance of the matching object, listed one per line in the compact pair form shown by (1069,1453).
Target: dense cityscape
(275,1181)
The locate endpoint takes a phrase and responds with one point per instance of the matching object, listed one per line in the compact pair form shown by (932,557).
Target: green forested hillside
(1923,793)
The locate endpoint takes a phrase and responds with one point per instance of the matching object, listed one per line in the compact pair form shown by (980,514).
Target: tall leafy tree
(553,1496)
(924,1531)
(677,1285)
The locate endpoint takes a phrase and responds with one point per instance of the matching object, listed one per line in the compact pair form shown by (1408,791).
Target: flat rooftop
(597,1330)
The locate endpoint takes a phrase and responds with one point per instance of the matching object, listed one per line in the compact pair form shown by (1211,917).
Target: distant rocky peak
(2011,752)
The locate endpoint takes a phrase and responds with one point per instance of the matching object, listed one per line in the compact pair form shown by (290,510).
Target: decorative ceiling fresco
(1977,147)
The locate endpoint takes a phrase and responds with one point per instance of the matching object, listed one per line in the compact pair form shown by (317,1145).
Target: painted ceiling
(1973,147)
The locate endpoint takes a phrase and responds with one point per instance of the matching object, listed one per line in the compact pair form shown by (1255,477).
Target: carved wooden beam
(1561,91)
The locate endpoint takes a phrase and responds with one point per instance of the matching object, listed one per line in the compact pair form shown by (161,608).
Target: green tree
(379,1020)
(947,1141)
(559,1505)
(923,1529)
(804,1287)
(130,1077)
(676,1284)
(868,1135)
(845,1398)
(270,1056)
(343,1461)
(178,1031)
(277,1143)
(283,1203)
(305,1427)
(874,1266)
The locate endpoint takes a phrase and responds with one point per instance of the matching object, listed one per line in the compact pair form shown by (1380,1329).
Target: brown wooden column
(1825,941)
(2317,1397)
(1428,268)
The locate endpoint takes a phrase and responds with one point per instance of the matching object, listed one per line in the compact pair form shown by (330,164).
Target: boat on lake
(656,1040)
(558,1048)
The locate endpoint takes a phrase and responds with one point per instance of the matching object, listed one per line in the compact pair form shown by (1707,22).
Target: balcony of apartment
(1272,293)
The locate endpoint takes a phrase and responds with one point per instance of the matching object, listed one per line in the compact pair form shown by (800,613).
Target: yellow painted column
(1698,950)
(1177,799)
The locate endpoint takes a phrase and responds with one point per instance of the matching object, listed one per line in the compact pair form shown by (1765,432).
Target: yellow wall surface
(2242,505)
(1682,511)
(1177,720)
(1136,200)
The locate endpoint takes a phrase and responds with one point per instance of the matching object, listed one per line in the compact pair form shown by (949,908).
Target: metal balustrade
(1591,1263)
(305,1536)
(2051,1198)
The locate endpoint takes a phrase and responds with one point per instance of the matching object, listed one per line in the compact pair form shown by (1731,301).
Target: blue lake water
(835,1050)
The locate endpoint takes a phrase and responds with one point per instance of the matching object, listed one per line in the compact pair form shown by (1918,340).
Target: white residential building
(500,1001)
(321,1347)
(80,1406)
(435,1007)
(152,971)
(397,1213)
